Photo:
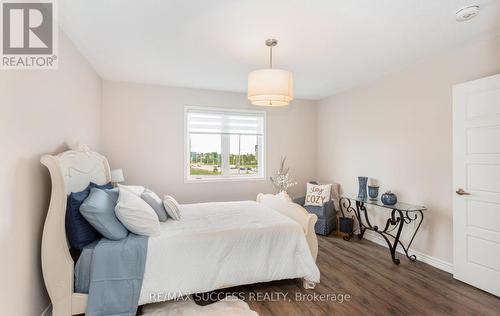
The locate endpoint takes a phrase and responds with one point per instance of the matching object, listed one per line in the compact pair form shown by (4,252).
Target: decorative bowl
(389,198)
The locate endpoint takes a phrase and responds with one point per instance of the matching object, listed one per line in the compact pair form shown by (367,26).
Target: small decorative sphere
(389,198)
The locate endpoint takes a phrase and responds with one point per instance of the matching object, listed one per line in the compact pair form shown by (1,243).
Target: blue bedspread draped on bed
(112,273)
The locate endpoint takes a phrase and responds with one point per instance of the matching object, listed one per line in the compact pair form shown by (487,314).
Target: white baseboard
(47,311)
(422,257)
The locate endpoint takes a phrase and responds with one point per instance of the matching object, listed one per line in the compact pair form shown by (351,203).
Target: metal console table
(401,214)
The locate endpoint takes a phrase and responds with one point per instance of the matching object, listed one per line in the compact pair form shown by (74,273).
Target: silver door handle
(461,191)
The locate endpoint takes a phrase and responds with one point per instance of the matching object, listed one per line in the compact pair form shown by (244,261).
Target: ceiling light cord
(271,57)
(271,43)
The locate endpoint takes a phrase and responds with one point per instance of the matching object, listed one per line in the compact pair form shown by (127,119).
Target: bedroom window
(224,144)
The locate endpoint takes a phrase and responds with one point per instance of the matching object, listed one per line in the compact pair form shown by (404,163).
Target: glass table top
(399,206)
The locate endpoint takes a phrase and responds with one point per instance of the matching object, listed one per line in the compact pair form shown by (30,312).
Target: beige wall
(143,134)
(40,111)
(399,131)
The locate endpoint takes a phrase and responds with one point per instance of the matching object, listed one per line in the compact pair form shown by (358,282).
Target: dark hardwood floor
(376,286)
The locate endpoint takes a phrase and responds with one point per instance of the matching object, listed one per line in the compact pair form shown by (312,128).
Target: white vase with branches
(282,180)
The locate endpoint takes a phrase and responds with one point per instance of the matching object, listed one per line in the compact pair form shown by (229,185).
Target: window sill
(224,179)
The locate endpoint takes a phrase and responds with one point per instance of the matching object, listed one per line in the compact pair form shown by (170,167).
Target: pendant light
(270,87)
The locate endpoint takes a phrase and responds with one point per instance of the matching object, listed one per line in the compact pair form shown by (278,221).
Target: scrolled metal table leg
(411,219)
(362,227)
(398,234)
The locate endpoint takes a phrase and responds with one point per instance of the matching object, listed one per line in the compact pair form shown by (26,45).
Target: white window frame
(188,178)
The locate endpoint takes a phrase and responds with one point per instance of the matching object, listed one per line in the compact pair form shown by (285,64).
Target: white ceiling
(330,45)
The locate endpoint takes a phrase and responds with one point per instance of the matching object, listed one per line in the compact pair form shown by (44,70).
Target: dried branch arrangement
(282,180)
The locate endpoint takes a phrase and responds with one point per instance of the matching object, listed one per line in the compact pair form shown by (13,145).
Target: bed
(216,245)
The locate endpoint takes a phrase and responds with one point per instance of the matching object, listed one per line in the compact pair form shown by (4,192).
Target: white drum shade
(270,87)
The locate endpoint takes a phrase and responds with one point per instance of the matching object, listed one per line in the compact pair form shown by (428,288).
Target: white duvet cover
(224,244)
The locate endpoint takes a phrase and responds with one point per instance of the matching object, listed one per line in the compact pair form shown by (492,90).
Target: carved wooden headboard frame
(70,171)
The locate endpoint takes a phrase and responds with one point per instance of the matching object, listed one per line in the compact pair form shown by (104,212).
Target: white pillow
(156,203)
(136,189)
(136,214)
(317,194)
(172,207)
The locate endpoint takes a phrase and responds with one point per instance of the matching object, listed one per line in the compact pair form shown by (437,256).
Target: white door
(476,179)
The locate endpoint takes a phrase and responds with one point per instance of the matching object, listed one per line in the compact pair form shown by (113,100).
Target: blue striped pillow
(79,232)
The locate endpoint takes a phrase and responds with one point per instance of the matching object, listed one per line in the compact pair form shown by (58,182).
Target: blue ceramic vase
(389,198)
(373,192)
(362,187)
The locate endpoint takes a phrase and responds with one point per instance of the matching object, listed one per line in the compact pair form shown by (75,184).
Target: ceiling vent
(467,13)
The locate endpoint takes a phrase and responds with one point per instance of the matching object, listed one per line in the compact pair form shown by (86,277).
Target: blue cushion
(99,210)
(105,186)
(113,194)
(79,232)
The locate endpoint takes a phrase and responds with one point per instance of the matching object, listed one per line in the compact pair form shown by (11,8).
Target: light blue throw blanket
(112,273)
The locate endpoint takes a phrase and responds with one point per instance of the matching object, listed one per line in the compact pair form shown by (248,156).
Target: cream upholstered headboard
(70,171)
